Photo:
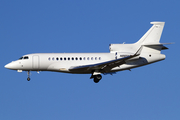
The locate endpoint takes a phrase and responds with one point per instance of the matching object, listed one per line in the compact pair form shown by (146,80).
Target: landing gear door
(35,62)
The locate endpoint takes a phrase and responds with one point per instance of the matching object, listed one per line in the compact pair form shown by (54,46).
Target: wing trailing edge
(104,67)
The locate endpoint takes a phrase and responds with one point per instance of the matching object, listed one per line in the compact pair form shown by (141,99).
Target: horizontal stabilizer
(159,46)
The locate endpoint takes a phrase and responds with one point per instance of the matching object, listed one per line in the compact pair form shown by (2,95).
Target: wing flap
(105,66)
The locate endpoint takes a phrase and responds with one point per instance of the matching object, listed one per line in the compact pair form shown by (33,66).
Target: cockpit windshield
(24,57)
(20,58)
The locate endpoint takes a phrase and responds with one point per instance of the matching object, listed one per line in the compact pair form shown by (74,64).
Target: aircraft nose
(11,65)
(7,66)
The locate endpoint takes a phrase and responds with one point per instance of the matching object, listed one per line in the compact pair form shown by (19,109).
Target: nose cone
(8,66)
(11,65)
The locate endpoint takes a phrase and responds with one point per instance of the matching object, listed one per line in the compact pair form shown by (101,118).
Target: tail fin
(153,35)
(149,41)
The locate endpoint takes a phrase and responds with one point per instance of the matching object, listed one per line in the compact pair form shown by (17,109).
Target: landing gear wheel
(28,72)
(28,79)
(97,78)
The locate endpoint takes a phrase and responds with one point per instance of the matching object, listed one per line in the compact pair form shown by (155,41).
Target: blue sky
(149,92)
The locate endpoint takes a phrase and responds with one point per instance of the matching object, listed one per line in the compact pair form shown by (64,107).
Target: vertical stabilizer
(153,35)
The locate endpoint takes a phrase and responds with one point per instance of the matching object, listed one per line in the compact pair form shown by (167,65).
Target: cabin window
(76,58)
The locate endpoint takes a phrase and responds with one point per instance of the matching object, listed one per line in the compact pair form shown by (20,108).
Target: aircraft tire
(28,79)
(97,78)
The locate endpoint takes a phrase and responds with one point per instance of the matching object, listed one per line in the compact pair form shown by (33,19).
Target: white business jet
(121,57)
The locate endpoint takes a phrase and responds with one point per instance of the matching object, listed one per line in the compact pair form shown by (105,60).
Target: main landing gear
(97,78)
(28,79)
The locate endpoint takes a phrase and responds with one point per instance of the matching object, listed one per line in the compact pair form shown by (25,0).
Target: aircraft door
(35,62)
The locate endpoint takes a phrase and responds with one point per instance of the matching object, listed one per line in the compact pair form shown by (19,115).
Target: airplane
(121,57)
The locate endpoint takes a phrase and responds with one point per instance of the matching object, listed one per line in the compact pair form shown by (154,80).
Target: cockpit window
(25,57)
(20,58)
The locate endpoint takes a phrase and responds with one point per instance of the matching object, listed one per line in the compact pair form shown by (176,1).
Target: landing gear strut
(97,78)
(28,79)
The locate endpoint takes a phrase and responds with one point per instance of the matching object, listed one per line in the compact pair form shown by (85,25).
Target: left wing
(104,67)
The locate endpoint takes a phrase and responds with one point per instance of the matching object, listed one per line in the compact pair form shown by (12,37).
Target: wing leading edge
(104,67)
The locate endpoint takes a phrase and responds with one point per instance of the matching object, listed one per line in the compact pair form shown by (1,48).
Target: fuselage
(62,62)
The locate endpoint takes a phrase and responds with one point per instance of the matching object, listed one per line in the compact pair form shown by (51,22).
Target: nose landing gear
(28,79)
